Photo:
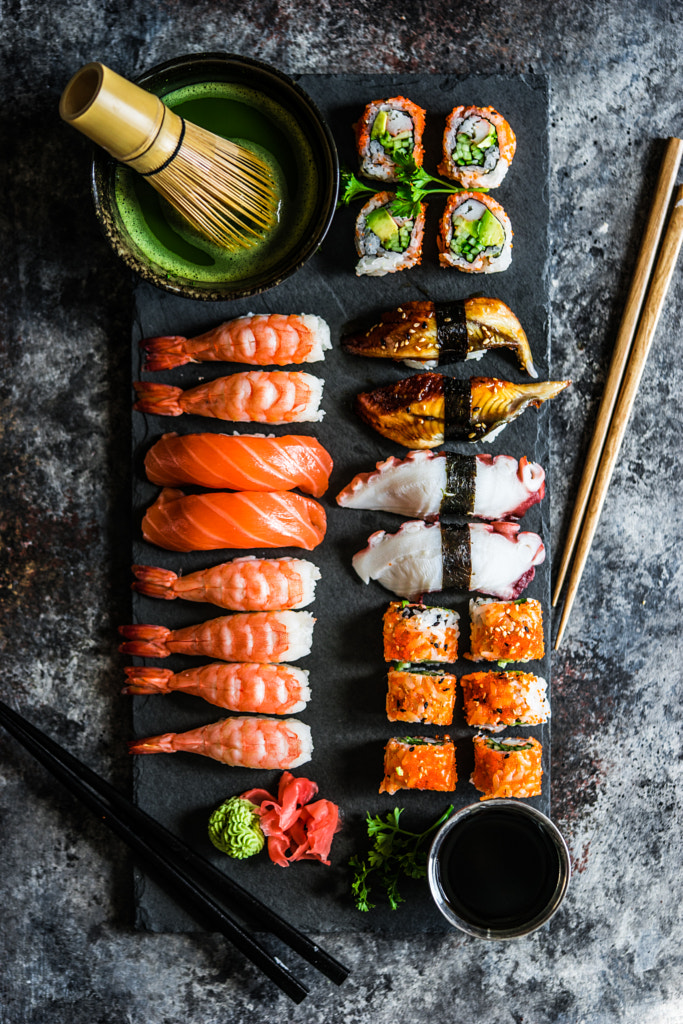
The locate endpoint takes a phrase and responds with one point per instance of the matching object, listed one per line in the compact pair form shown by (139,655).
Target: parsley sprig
(414,186)
(395,851)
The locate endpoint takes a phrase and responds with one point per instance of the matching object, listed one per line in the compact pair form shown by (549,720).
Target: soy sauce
(499,870)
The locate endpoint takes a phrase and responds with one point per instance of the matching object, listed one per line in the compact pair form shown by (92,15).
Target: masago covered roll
(507,767)
(478,147)
(495,700)
(416,693)
(387,241)
(506,630)
(475,234)
(389,131)
(420,633)
(419,762)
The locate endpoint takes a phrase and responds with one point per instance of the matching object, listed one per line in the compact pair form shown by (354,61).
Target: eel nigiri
(249,742)
(245,636)
(424,334)
(492,558)
(438,483)
(425,410)
(263,339)
(240,686)
(245,584)
(241,519)
(241,462)
(257,396)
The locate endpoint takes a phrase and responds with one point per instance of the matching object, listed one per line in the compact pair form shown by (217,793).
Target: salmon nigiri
(240,686)
(262,339)
(258,396)
(245,584)
(243,519)
(241,462)
(248,742)
(246,636)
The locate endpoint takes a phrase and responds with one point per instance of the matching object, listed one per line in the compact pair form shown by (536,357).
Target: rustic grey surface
(68,952)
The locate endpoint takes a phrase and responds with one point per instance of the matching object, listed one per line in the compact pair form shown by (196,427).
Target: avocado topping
(392,237)
(471,237)
(468,153)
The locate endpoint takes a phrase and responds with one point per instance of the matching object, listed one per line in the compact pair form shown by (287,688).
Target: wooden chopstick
(176,862)
(622,345)
(641,346)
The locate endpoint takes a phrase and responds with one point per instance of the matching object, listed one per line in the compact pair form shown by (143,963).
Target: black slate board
(347,670)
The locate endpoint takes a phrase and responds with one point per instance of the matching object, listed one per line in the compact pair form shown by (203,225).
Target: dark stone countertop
(67,948)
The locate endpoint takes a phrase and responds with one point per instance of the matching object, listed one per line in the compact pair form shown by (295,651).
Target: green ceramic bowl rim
(107,214)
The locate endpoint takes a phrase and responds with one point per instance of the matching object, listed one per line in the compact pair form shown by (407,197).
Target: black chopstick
(170,855)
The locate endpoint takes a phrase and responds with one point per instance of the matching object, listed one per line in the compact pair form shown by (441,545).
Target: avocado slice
(462,227)
(382,224)
(490,230)
(379,125)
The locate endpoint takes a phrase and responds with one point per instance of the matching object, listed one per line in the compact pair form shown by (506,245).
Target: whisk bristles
(228,193)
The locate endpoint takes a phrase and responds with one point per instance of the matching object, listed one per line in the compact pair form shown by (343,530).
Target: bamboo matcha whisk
(226,192)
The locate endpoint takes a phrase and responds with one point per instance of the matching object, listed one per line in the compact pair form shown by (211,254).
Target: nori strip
(457,409)
(461,472)
(456,555)
(451,331)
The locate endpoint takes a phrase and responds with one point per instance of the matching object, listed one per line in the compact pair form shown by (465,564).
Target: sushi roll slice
(507,767)
(427,409)
(387,242)
(389,133)
(416,632)
(425,334)
(493,558)
(418,694)
(478,147)
(475,235)
(419,762)
(441,483)
(495,700)
(505,631)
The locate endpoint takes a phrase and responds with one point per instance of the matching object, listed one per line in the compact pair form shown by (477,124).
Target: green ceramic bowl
(254,103)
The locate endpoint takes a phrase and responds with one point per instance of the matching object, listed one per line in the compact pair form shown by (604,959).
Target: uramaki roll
(478,147)
(506,630)
(416,632)
(419,762)
(507,767)
(494,700)
(475,234)
(389,131)
(387,242)
(418,694)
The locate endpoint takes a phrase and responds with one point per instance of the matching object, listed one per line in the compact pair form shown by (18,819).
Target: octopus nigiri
(425,410)
(245,584)
(257,396)
(439,483)
(242,686)
(245,636)
(240,462)
(249,742)
(263,339)
(242,519)
(424,334)
(492,558)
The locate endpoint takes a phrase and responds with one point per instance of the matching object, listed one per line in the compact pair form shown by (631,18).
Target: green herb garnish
(394,852)
(352,188)
(414,186)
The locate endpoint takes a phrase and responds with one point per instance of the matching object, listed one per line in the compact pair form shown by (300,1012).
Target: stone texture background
(67,950)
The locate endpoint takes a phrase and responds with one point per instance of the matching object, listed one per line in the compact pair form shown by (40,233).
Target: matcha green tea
(260,124)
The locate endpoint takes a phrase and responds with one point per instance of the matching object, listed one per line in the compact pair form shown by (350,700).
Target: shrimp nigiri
(246,584)
(243,686)
(245,636)
(258,396)
(244,519)
(264,339)
(241,742)
(240,462)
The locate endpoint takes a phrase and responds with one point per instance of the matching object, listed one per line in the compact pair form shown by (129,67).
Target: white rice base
(299,626)
(320,330)
(310,411)
(303,731)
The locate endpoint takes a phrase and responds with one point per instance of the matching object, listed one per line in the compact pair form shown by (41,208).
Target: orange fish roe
(493,700)
(420,696)
(416,632)
(419,762)
(506,630)
(507,768)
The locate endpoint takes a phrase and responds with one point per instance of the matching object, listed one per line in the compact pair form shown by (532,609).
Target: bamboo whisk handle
(133,125)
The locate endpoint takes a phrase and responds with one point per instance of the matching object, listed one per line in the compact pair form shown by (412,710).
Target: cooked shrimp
(244,585)
(245,636)
(244,686)
(242,742)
